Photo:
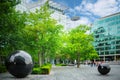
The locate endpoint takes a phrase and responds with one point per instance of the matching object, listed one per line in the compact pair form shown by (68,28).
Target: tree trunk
(42,58)
(39,59)
(78,60)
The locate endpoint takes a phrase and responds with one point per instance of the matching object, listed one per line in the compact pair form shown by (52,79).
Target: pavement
(85,72)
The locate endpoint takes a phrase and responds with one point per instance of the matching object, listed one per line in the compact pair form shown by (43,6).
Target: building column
(115,59)
(104,58)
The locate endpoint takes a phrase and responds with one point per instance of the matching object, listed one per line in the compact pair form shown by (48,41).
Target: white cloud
(105,7)
(100,8)
(29,1)
(66,21)
(85,20)
(89,6)
(73,24)
(78,8)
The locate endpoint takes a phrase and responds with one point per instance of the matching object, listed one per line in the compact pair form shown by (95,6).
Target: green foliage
(61,65)
(32,32)
(2,69)
(43,32)
(7,6)
(93,55)
(80,43)
(41,36)
(44,69)
(36,70)
(76,44)
(36,65)
(11,24)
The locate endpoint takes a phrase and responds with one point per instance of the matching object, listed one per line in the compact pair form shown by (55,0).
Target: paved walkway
(71,73)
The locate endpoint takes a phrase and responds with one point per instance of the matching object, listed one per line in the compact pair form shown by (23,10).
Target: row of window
(105,42)
(104,39)
(110,47)
(107,49)
(104,36)
(99,30)
(110,43)
(109,52)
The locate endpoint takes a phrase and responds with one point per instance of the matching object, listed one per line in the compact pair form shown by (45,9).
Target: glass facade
(107,37)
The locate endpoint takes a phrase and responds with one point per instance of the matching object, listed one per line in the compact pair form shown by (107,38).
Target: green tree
(44,32)
(11,24)
(81,42)
(11,29)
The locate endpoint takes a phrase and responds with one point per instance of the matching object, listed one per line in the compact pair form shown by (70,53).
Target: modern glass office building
(106,32)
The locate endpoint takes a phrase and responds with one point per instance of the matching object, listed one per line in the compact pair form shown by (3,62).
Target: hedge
(44,69)
(61,65)
(36,70)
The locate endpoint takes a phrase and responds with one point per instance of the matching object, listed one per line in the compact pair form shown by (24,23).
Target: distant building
(107,37)
(29,5)
(59,9)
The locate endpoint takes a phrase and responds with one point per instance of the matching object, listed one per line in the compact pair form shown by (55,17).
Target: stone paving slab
(86,73)
(71,73)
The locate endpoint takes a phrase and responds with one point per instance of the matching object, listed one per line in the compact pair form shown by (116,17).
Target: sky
(88,10)
(91,9)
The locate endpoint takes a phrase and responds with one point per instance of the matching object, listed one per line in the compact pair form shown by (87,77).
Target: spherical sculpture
(19,64)
(104,69)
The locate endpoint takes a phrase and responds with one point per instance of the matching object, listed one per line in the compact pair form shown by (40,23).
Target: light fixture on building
(75,17)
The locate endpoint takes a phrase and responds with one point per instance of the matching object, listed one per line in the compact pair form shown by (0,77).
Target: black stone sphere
(19,64)
(104,69)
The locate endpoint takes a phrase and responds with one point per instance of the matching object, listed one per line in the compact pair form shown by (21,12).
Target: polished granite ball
(104,69)
(19,64)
